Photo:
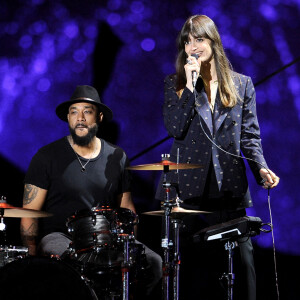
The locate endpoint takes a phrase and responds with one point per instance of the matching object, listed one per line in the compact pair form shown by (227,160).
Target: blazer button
(235,162)
(193,142)
(188,161)
(233,122)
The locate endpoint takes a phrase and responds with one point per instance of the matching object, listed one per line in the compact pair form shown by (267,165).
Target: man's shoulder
(53,146)
(109,147)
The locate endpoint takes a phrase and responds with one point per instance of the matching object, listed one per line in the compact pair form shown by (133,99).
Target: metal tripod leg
(165,245)
(229,246)
(2,228)
(125,270)
(176,259)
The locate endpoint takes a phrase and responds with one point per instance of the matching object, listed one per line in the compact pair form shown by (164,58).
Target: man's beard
(84,140)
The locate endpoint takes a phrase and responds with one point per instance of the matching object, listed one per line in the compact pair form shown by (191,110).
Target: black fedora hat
(83,93)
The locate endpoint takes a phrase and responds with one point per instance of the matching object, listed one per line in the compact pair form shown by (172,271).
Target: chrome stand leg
(125,271)
(165,245)
(229,246)
(176,260)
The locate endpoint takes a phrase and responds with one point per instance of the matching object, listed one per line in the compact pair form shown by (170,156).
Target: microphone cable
(262,181)
(273,242)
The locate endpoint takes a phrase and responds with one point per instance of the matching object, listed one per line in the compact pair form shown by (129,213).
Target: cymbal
(18,212)
(176,212)
(160,166)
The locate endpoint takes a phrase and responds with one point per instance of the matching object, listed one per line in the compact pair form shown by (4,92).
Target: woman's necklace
(82,166)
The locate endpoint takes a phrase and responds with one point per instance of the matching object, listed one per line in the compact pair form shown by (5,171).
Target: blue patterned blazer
(236,130)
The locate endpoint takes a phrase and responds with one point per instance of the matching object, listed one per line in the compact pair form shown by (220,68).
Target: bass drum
(39,278)
(105,274)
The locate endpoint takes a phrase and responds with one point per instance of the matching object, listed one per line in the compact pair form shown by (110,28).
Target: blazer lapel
(220,113)
(203,110)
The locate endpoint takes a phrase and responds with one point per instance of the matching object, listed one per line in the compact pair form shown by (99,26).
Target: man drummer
(79,171)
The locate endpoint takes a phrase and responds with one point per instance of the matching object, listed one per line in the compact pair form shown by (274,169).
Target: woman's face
(200,46)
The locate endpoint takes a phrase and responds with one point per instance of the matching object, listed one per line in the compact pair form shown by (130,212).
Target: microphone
(194,73)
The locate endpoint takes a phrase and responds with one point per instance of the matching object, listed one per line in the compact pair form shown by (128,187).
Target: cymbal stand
(166,243)
(176,259)
(2,224)
(125,269)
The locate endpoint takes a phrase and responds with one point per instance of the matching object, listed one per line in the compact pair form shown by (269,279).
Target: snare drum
(43,278)
(99,226)
(89,228)
(98,235)
(10,253)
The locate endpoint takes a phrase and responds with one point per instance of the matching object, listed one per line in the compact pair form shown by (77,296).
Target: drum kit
(102,242)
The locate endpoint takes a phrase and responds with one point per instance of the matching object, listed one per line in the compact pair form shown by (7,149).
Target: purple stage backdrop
(125,49)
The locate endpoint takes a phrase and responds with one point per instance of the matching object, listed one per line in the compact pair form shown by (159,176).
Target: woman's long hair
(202,26)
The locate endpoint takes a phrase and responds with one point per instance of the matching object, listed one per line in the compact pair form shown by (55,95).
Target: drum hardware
(165,165)
(176,258)
(95,239)
(125,269)
(229,276)
(2,224)
(9,254)
(94,220)
(173,214)
(231,232)
(167,206)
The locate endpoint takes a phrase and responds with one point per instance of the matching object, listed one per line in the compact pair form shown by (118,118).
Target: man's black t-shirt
(56,169)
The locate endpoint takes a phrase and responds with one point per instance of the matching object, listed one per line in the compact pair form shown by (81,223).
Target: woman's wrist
(190,87)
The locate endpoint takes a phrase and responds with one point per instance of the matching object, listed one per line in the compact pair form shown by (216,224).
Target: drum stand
(166,243)
(165,165)
(2,224)
(176,259)
(125,269)
(3,259)
(229,246)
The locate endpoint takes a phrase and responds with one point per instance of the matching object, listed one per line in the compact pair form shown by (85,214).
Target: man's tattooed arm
(33,198)
(30,192)
(29,232)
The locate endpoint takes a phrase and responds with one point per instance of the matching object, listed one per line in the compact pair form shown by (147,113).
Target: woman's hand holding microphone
(192,70)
